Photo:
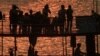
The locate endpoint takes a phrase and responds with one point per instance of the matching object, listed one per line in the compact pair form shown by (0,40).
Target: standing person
(13,19)
(26,24)
(35,32)
(46,10)
(31,16)
(96,17)
(45,13)
(20,21)
(69,18)
(61,18)
(11,52)
(78,50)
(1,16)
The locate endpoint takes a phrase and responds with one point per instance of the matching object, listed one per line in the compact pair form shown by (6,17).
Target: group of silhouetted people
(38,22)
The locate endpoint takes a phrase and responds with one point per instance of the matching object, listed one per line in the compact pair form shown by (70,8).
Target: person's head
(38,13)
(93,12)
(14,6)
(62,6)
(69,6)
(26,14)
(30,11)
(79,45)
(46,6)
(20,12)
(10,49)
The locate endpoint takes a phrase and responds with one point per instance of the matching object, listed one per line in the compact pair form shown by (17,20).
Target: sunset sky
(81,7)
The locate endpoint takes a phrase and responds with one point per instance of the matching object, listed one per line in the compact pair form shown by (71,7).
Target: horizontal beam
(47,35)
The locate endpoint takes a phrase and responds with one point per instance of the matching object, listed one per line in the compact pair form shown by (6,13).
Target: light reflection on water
(44,46)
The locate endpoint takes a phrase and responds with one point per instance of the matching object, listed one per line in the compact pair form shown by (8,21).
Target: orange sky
(80,7)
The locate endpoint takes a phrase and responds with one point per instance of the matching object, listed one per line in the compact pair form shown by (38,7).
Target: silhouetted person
(4,16)
(35,31)
(13,19)
(11,52)
(90,45)
(36,53)
(46,10)
(96,17)
(97,54)
(26,22)
(32,41)
(31,12)
(31,16)
(55,24)
(20,21)
(69,18)
(36,23)
(45,13)
(40,21)
(30,51)
(61,18)
(78,50)
(1,16)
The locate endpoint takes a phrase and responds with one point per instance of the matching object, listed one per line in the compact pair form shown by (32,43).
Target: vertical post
(66,45)
(90,45)
(97,43)
(63,45)
(15,45)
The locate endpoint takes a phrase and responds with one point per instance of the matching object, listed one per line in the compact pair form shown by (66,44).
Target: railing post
(15,45)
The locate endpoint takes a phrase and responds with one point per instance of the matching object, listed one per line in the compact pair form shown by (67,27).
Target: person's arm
(82,53)
(49,11)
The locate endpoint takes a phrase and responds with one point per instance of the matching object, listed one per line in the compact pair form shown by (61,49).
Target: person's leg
(14,28)
(61,29)
(32,41)
(30,51)
(19,29)
(55,29)
(70,26)
(67,29)
(10,28)
(24,29)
